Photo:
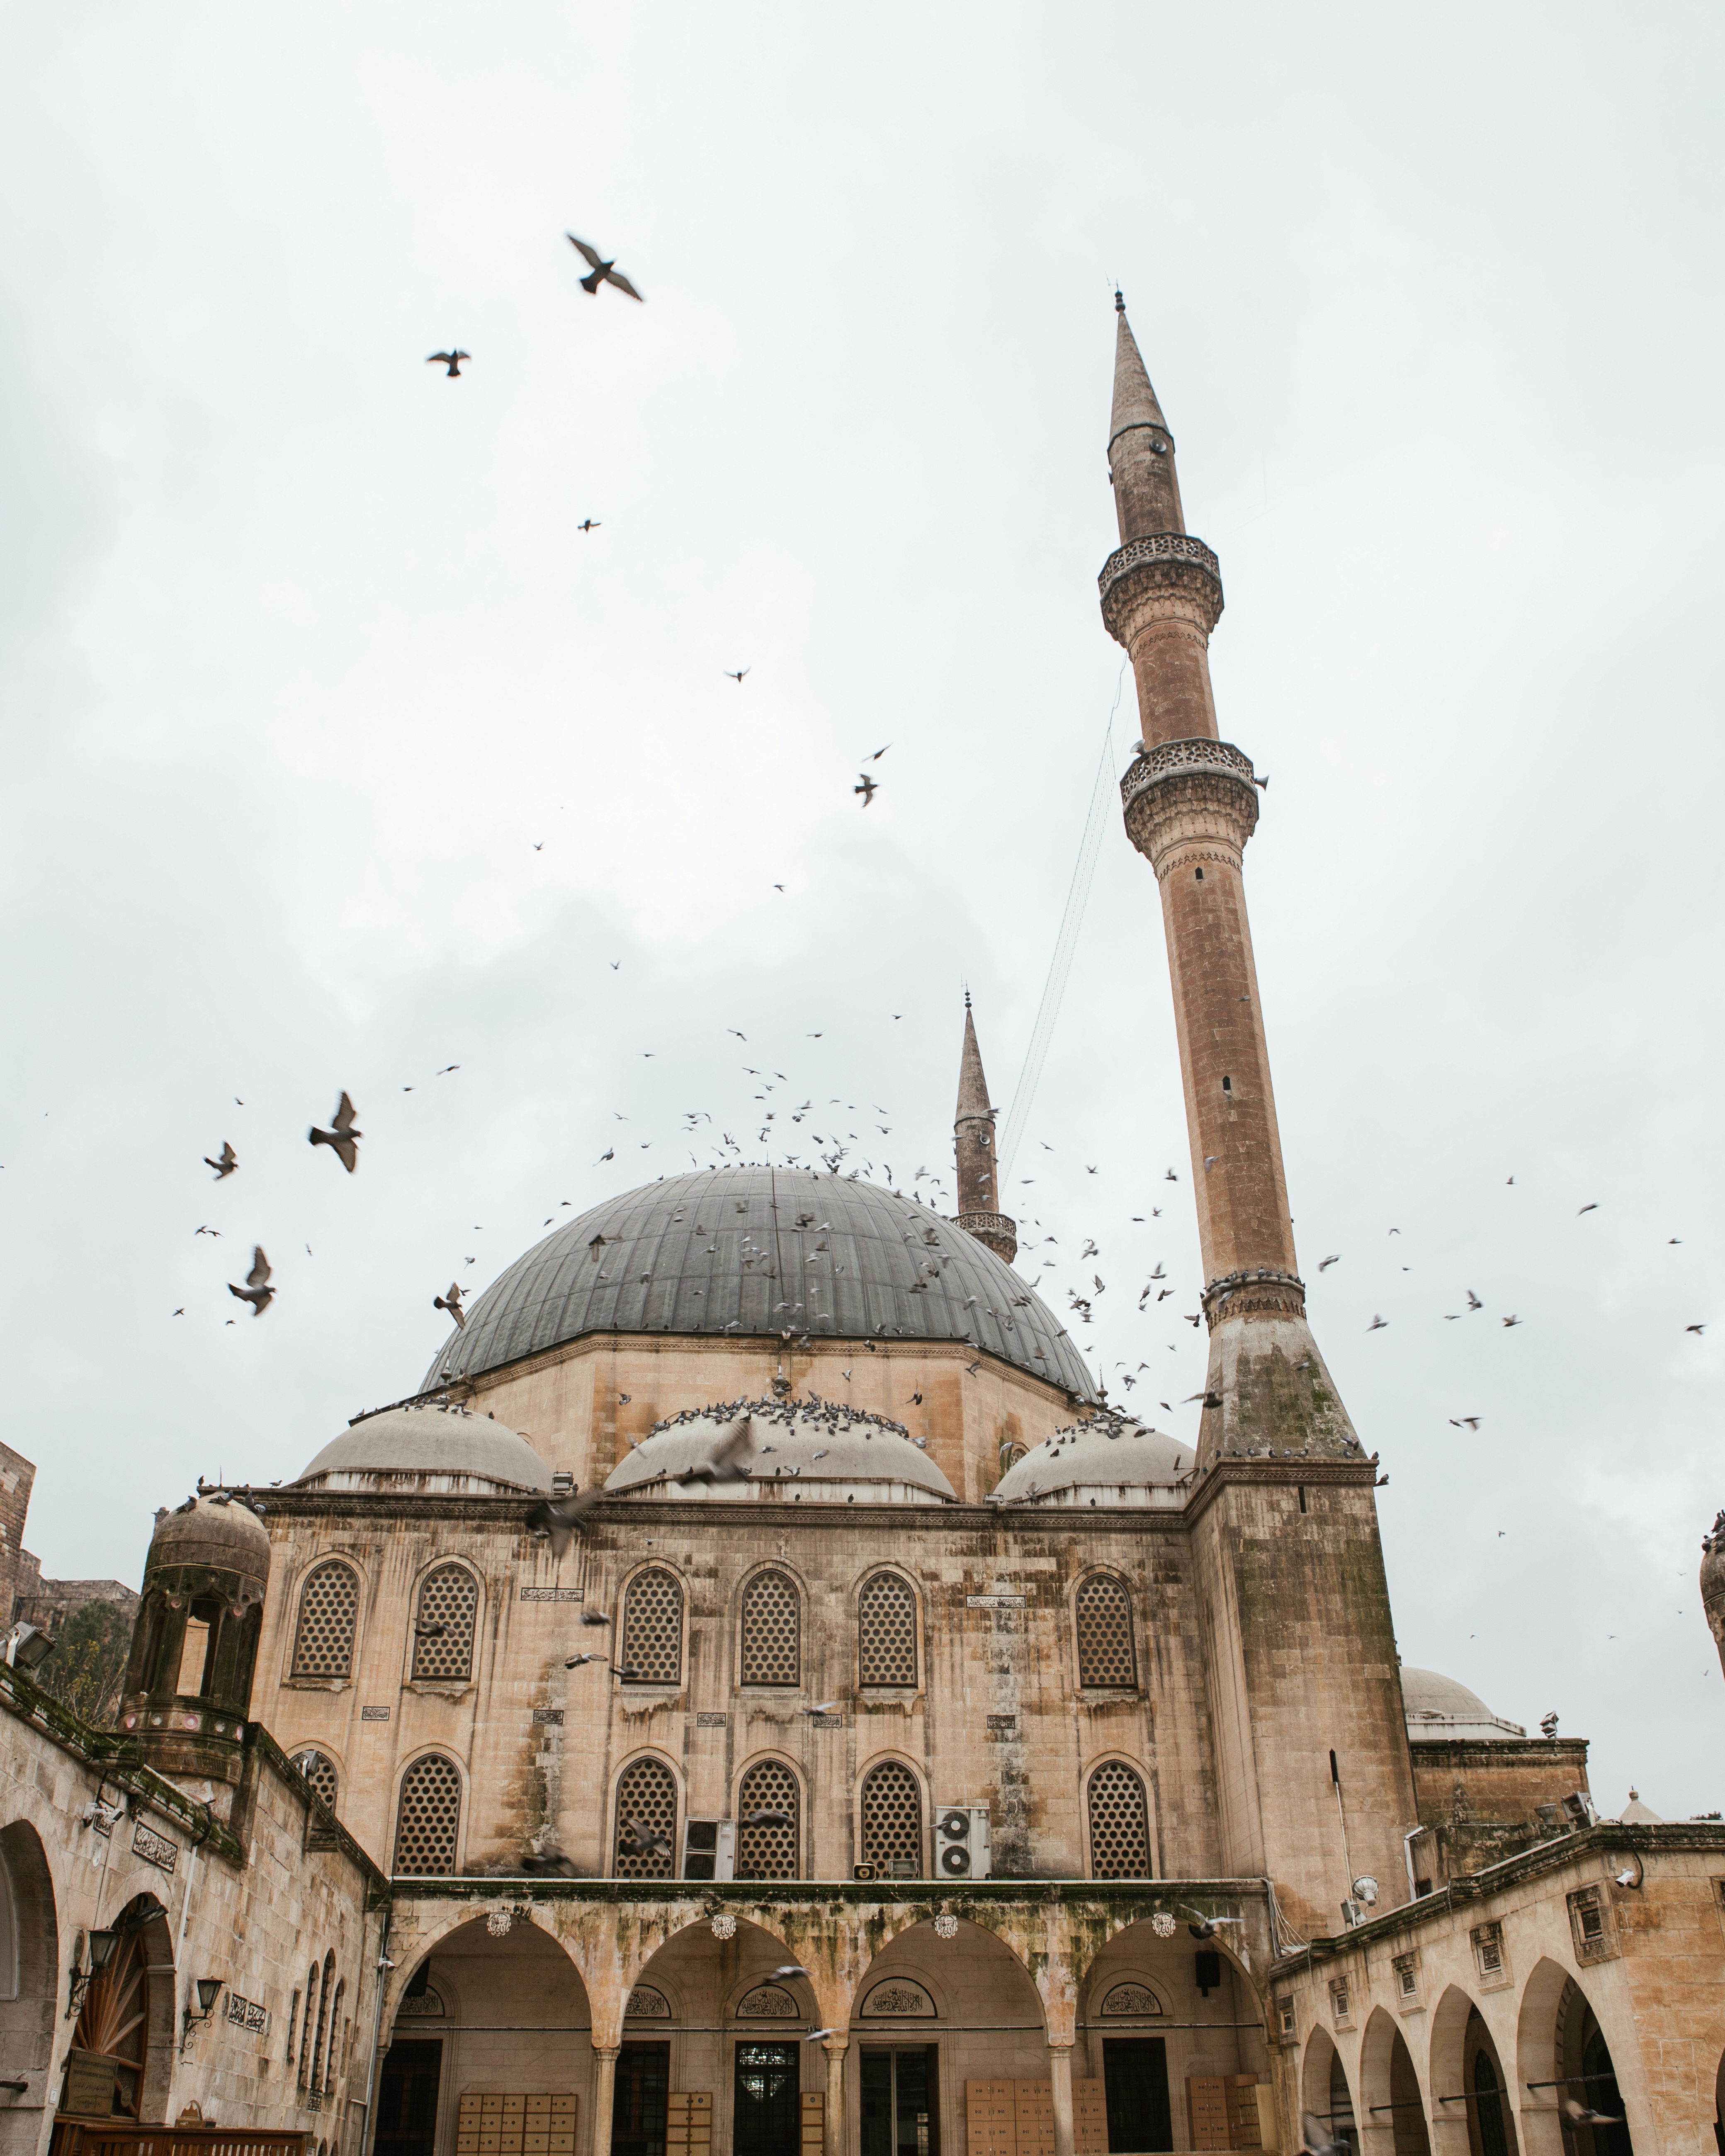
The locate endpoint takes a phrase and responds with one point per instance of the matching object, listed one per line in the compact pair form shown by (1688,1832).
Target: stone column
(835,2047)
(604,2088)
(1059,2076)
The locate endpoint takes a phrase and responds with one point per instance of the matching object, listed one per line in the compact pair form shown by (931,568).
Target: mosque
(752,1694)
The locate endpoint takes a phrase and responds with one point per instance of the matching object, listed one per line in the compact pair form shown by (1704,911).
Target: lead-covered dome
(428,1449)
(1438,1707)
(1110,1460)
(792,1451)
(729,1250)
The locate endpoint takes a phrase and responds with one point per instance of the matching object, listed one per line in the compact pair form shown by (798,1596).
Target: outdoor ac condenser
(963,1848)
(708,1849)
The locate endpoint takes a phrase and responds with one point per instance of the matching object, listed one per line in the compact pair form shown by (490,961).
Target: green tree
(88,1665)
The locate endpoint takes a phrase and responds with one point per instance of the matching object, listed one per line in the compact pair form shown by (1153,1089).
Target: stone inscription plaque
(554,1595)
(994,1602)
(154,1848)
(712,1721)
(374,1714)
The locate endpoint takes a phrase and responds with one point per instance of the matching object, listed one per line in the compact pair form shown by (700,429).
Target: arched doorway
(1394,2108)
(492,2037)
(1170,2036)
(1564,2057)
(122,2017)
(712,2033)
(29,1982)
(931,2018)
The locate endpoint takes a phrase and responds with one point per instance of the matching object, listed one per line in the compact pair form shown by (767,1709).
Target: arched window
(652,1628)
(429,1814)
(312,1977)
(114,2019)
(892,1819)
(1103,1612)
(323,2008)
(886,1631)
(329,2077)
(772,1631)
(768,1851)
(442,1631)
(1489,2110)
(1119,1825)
(329,1609)
(320,1770)
(646,1821)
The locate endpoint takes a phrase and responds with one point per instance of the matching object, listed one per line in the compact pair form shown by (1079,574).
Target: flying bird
(452,360)
(1511,1320)
(867,788)
(1324,1264)
(789,1969)
(257,1291)
(821,1706)
(1316,2138)
(769,1818)
(451,1301)
(575,1662)
(1592,1207)
(1473,1300)
(1695,1328)
(1578,2114)
(603,272)
(736,674)
(588,524)
(342,1139)
(1206,1927)
(1377,1324)
(1465,1422)
(228,1163)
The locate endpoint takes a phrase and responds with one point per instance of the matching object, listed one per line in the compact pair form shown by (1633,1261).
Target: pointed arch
(770,1629)
(428,1818)
(769,1783)
(651,1642)
(888,1623)
(644,1808)
(1117,1816)
(446,1615)
(327,1622)
(891,1818)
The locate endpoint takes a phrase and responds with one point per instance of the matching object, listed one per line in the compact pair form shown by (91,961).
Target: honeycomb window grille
(1105,1653)
(442,1631)
(892,1819)
(320,1770)
(329,1611)
(1119,1828)
(646,1797)
(772,1631)
(428,1818)
(769,1852)
(886,1631)
(652,1628)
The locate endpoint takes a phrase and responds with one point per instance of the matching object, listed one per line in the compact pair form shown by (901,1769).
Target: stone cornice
(1496,1751)
(1357,1474)
(648,1896)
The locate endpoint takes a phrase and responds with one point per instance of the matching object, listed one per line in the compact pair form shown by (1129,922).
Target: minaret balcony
(1199,790)
(1159,566)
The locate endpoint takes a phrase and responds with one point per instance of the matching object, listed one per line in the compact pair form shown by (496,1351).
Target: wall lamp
(209,1989)
(27,1648)
(102,1953)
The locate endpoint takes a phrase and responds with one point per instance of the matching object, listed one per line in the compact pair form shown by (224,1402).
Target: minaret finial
(1119,300)
(979,1195)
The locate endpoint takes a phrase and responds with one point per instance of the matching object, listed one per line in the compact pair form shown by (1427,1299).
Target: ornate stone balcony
(1172,560)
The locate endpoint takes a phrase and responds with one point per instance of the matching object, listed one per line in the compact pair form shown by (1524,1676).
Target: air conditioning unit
(963,1848)
(708,1849)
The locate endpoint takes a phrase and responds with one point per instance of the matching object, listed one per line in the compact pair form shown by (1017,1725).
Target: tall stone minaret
(1313,1773)
(1191,803)
(980,1213)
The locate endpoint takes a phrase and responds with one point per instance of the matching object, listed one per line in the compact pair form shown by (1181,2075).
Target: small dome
(1109,1460)
(1634,1813)
(796,1451)
(430,1450)
(213,1533)
(1438,1707)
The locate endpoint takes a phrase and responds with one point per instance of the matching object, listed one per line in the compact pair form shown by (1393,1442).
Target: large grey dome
(725,1249)
(430,1450)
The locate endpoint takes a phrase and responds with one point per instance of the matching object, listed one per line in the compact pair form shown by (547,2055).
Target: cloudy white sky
(334,753)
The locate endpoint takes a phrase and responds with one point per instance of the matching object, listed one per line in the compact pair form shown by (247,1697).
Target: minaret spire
(1286,1540)
(974,1145)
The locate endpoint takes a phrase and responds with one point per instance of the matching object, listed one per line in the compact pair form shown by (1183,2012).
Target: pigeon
(1464,1422)
(1695,1328)
(1377,1324)
(769,1818)
(736,674)
(1316,2138)
(639,1836)
(228,1163)
(452,360)
(1210,1399)
(1592,1206)
(1578,2114)
(603,272)
(816,2035)
(552,1864)
(790,1968)
(1473,1300)
(595,1617)
(1324,1264)
(1512,1319)
(451,1301)
(867,788)
(1206,1927)
(430,1631)
(257,1291)
(589,524)
(342,1140)
(575,1662)
(821,1706)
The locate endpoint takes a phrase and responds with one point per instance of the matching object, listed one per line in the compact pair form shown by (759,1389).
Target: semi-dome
(1110,1460)
(727,1251)
(791,1451)
(430,1449)
(1438,1707)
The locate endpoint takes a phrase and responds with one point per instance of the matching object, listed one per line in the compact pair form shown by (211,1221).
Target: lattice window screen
(329,1610)
(443,1632)
(430,1813)
(886,1631)
(1104,1612)
(892,1816)
(772,1631)
(1119,1829)
(652,1628)
(768,1853)
(329,2077)
(647,1796)
(320,1770)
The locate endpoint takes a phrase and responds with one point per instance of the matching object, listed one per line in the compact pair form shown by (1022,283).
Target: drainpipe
(1407,1841)
(384,1966)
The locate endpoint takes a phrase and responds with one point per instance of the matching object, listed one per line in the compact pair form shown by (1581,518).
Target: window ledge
(438,1687)
(317,1684)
